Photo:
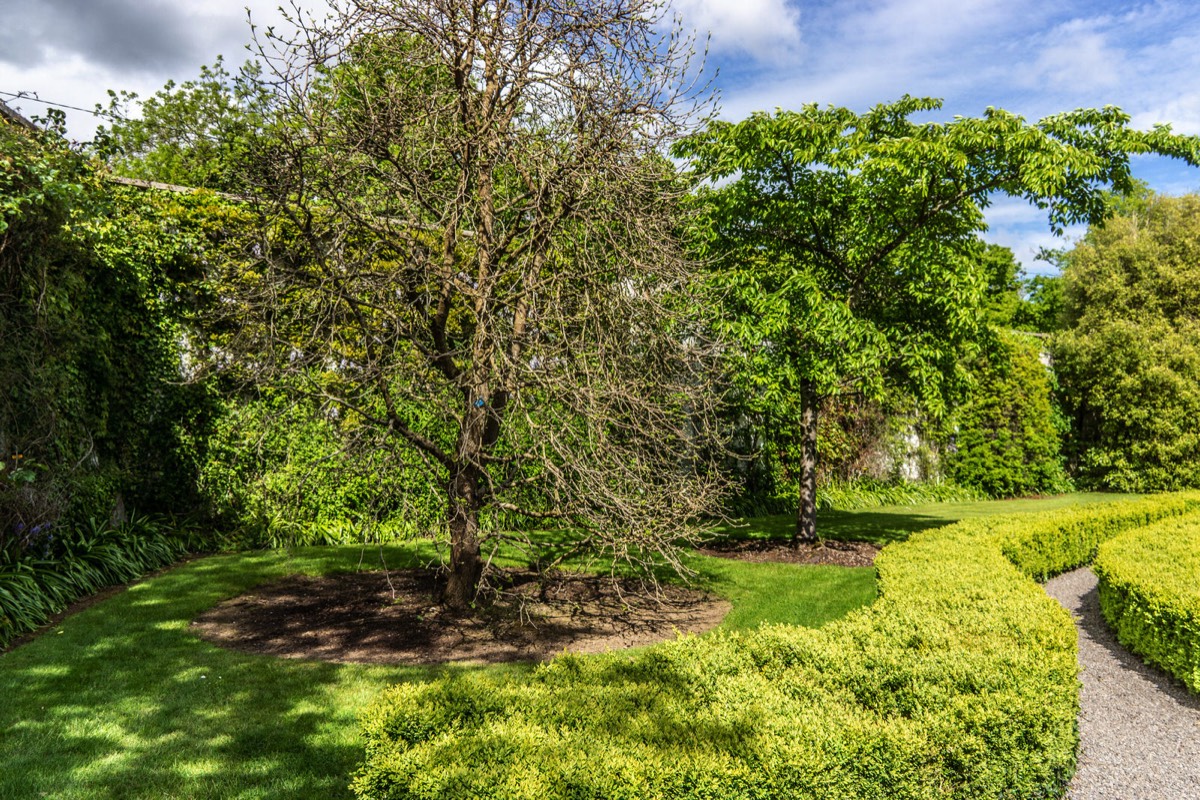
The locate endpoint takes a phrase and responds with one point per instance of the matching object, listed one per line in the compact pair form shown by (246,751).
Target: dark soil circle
(393,618)
(831,553)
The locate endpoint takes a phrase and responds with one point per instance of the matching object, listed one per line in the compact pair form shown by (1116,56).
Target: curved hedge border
(959,682)
(1150,594)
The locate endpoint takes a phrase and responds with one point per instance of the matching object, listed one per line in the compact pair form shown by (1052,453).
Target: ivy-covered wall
(97,283)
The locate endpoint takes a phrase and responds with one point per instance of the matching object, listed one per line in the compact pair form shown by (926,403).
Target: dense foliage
(59,564)
(96,286)
(277,474)
(1150,596)
(959,682)
(1129,359)
(845,244)
(1006,442)
(201,133)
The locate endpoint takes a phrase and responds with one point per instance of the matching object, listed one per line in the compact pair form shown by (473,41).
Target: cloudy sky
(1031,57)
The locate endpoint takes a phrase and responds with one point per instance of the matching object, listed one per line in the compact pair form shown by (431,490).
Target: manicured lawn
(896,523)
(121,701)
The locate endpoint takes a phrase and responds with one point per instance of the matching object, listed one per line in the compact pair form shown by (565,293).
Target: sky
(1031,57)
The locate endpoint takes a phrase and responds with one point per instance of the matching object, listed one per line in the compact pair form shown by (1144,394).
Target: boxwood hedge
(959,682)
(1150,594)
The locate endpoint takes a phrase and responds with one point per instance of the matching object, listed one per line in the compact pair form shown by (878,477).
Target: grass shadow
(887,524)
(123,701)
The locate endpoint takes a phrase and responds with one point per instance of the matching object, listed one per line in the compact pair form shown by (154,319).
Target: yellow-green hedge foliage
(960,682)
(1150,594)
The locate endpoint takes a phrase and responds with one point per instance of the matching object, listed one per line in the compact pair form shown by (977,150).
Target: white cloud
(872,51)
(1182,112)
(765,30)
(923,28)
(1023,228)
(81,76)
(1076,55)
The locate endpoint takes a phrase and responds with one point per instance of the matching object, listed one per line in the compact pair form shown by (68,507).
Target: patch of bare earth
(392,618)
(832,553)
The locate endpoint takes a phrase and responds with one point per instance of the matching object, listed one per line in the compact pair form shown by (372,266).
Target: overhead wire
(32,97)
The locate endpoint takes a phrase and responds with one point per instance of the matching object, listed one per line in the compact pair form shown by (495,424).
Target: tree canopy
(842,242)
(1129,357)
(473,258)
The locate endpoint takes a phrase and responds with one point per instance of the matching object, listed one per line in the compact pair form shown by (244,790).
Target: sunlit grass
(122,701)
(888,524)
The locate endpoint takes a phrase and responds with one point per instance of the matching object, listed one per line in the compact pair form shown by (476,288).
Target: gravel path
(1139,728)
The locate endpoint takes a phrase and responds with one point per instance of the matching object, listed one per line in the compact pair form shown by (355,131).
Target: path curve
(1139,728)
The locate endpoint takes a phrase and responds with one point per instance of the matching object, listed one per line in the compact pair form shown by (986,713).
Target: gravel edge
(1139,727)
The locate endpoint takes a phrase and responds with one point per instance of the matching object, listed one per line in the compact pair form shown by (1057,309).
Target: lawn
(121,701)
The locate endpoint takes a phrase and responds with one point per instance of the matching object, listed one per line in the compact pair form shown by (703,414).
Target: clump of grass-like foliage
(45,568)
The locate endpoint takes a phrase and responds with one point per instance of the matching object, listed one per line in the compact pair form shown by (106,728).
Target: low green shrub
(1150,594)
(1073,540)
(49,568)
(959,682)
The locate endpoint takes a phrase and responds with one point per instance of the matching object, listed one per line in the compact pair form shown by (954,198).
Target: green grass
(885,525)
(792,594)
(122,701)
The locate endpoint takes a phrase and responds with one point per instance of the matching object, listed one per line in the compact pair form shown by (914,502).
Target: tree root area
(831,553)
(393,618)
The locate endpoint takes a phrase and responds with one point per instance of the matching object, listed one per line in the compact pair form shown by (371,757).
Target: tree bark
(465,501)
(466,566)
(806,512)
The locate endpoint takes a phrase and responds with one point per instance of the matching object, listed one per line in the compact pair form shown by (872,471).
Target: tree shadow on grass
(123,701)
(877,527)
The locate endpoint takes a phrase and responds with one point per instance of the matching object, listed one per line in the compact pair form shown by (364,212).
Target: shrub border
(1150,599)
(959,682)
(35,587)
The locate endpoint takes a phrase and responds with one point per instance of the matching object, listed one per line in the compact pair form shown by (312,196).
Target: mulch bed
(833,553)
(393,618)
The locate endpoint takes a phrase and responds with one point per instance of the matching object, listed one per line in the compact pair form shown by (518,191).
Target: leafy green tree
(1006,440)
(1129,357)
(200,133)
(843,243)
(1002,291)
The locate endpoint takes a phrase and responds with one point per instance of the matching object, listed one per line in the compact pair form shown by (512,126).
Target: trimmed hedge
(960,682)
(1150,594)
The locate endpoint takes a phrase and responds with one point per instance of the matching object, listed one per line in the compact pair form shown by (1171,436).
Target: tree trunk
(466,566)
(806,513)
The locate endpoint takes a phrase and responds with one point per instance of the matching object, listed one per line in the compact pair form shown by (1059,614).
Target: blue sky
(1031,57)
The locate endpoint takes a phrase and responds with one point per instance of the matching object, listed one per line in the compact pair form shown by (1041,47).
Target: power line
(34,98)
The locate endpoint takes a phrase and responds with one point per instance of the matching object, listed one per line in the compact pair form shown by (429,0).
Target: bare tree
(475,256)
